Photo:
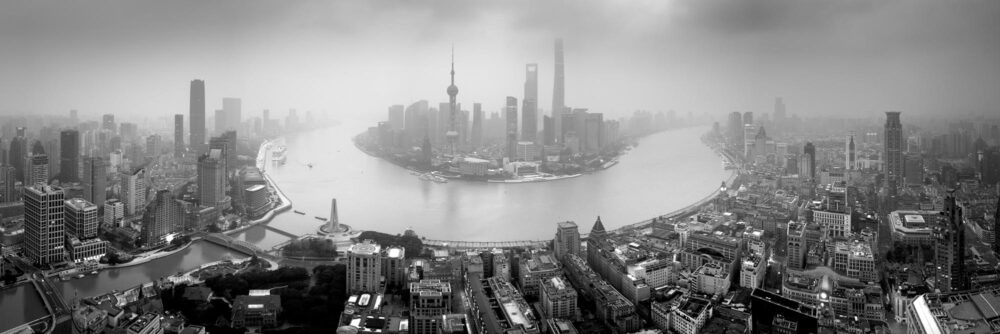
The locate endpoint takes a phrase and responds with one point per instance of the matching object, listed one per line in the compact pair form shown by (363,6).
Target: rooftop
(367,247)
(80,204)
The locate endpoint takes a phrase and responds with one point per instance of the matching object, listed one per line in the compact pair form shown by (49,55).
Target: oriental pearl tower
(452,133)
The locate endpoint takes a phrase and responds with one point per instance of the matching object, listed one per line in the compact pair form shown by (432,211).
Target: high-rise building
(8,180)
(429,300)
(849,154)
(810,151)
(164,215)
(779,113)
(108,123)
(364,267)
(477,125)
(18,153)
(893,151)
(558,88)
(133,190)
(747,117)
(69,156)
(196,115)
(452,134)
(529,111)
(212,179)
(950,249)
(234,113)
(567,239)
(511,114)
(397,119)
(81,218)
(736,129)
(226,142)
(44,230)
(913,169)
(220,121)
(95,179)
(996,227)
(178,136)
(37,168)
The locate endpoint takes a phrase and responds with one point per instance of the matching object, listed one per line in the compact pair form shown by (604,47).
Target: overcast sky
(355,58)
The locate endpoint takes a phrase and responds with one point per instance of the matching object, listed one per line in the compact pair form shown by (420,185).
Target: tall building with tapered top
(893,151)
(529,112)
(849,154)
(558,88)
(44,229)
(452,134)
(69,156)
(163,215)
(196,115)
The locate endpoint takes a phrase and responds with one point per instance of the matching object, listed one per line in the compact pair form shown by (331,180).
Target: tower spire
(453,64)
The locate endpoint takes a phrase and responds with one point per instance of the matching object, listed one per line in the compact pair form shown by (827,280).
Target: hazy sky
(358,57)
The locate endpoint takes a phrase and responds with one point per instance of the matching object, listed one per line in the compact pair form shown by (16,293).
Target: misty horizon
(352,60)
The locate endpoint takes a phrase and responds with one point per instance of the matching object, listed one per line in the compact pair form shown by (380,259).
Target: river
(18,305)
(667,171)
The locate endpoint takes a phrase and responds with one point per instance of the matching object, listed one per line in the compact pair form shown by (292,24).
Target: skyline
(713,57)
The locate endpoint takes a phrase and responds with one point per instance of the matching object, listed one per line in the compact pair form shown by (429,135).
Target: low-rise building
(537,267)
(691,316)
(89,249)
(473,166)
(752,270)
(148,323)
(256,310)
(558,298)
(711,279)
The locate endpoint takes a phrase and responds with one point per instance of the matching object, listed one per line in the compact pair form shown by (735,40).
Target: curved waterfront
(666,172)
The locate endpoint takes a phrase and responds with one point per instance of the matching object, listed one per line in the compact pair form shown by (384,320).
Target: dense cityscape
(194,222)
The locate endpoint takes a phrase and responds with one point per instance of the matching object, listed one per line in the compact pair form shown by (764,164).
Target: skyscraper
(178,136)
(220,121)
(37,169)
(779,114)
(69,155)
(567,239)
(558,88)
(95,179)
(529,112)
(747,117)
(511,113)
(452,133)
(133,190)
(396,117)
(893,151)
(477,125)
(197,115)
(8,193)
(44,230)
(108,123)
(233,110)
(810,151)
(18,153)
(950,249)
(212,178)
(849,154)
(226,142)
(164,215)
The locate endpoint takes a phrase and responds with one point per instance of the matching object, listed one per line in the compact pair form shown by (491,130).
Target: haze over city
(354,58)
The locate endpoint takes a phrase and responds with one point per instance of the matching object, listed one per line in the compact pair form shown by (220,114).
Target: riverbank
(439,177)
